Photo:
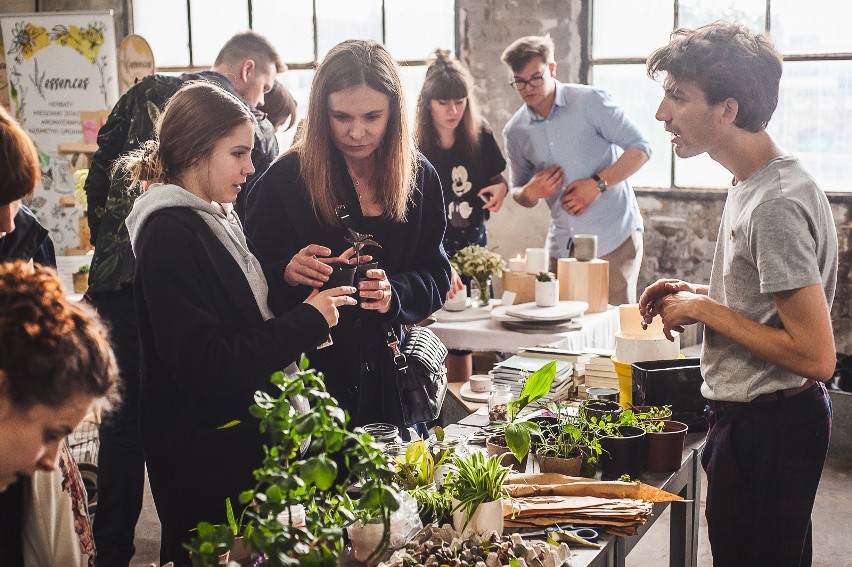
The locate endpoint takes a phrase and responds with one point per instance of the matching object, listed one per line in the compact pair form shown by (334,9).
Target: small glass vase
(480,291)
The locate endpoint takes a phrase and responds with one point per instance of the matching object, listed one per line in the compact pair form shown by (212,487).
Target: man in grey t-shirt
(768,342)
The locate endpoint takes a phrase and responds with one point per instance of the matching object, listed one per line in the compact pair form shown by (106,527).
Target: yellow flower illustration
(87,41)
(27,40)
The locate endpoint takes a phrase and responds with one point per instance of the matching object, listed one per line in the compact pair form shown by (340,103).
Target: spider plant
(476,479)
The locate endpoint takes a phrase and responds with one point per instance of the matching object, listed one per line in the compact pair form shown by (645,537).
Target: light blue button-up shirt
(585,133)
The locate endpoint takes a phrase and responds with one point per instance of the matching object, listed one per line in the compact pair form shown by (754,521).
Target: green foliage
(518,433)
(416,467)
(475,479)
(83,269)
(317,479)
(210,542)
(545,277)
(433,505)
(477,262)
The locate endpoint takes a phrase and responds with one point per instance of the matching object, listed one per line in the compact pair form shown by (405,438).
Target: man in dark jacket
(246,67)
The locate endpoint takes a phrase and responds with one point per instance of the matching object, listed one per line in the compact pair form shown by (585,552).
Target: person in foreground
(573,147)
(209,339)
(56,367)
(357,152)
(768,341)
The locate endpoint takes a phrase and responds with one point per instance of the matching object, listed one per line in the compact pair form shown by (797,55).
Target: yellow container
(625,382)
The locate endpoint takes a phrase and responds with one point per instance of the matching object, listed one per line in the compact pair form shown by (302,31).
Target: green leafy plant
(210,543)
(416,467)
(571,433)
(474,480)
(318,478)
(518,432)
(433,505)
(545,277)
(84,269)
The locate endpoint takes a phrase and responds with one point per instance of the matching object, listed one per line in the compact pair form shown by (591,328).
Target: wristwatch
(601,183)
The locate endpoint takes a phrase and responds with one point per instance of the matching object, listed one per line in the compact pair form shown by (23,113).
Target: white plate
(539,327)
(562,311)
(471,396)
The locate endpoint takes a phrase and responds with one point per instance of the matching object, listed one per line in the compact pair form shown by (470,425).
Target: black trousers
(121,464)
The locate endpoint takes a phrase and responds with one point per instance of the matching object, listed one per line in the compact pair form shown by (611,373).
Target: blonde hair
(351,64)
(447,79)
(197,116)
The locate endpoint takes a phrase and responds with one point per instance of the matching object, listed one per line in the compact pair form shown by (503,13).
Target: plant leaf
(518,440)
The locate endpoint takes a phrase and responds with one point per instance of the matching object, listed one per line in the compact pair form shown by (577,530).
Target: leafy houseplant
(478,263)
(317,478)
(416,467)
(80,279)
(546,289)
(545,277)
(475,480)
(211,545)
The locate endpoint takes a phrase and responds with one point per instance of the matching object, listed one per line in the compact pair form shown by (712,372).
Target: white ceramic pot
(458,302)
(487,517)
(546,293)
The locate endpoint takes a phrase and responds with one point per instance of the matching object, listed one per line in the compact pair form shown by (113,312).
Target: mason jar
(383,433)
(498,403)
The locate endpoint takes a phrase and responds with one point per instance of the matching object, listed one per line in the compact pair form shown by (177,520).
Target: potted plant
(652,413)
(476,484)
(577,438)
(595,411)
(546,289)
(664,442)
(80,279)
(415,466)
(516,436)
(434,505)
(623,446)
(211,546)
(318,478)
(479,264)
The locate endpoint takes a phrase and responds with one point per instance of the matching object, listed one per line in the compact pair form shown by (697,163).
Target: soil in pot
(598,408)
(496,445)
(664,448)
(623,455)
(569,466)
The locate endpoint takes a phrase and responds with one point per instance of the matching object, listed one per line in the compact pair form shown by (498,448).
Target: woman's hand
(327,302)
(378,288)
(310,266)
(497,193)
(456,283)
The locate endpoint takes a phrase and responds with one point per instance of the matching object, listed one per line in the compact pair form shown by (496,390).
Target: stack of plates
(529,316)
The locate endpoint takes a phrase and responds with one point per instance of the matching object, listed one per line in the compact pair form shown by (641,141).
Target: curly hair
(51,349)
(725,60)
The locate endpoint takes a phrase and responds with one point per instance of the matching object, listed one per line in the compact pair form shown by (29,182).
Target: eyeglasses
(535,81)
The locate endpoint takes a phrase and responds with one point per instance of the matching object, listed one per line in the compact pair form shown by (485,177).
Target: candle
(518,264)
(537,260)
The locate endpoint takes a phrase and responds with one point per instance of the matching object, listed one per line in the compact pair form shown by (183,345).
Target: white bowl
(480,383)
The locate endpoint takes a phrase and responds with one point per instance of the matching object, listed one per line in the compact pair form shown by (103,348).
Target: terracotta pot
(241,552)
(487,517)
(496,445)
(81,282)
(624,454)
(569,466)
(664,449)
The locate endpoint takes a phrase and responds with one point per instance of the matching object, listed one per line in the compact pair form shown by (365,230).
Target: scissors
(568,533)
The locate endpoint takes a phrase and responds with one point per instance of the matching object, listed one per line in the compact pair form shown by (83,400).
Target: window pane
(339,20)
(412,81)
(701,172)
(298,82)
(213,23)
(288,25)
(814,119)
(629,29)
(810,27)
(406,36)
(639,96)
(163,23)
(696,13)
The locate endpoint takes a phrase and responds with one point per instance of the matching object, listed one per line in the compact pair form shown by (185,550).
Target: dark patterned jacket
(130,124)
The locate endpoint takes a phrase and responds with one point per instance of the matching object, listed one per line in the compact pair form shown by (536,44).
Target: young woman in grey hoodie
(209,338)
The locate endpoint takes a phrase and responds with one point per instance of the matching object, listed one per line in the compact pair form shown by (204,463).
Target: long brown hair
(351,64)
(19,170)
(193,120)
(447,79)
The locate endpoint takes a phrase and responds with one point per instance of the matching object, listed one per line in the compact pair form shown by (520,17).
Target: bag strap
(399,358)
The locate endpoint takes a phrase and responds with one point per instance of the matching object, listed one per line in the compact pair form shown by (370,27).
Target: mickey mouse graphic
(459,210)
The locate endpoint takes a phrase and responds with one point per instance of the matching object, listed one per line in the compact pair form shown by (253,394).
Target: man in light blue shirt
(573,147)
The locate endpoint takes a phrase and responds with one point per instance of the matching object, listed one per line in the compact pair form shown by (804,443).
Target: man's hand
(579,196)
(676,310)
(657,291)
(542,185)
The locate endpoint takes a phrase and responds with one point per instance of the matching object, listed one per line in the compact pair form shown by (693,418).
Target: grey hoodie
(225,226)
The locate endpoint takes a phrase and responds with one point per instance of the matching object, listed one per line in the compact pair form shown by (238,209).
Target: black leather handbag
(421,375)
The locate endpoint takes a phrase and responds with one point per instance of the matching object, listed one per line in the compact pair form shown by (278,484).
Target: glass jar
(480,290)
(498,403)
(383,433)
(443,453)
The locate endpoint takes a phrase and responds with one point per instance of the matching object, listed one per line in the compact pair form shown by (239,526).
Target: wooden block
(584,281)
(522,283)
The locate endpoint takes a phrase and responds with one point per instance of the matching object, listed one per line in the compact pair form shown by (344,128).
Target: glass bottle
(498,403)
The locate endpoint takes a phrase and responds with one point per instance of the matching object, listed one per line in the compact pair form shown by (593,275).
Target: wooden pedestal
(584,281)
(522,283)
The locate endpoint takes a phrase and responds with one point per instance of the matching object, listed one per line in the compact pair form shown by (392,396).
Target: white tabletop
(598,331)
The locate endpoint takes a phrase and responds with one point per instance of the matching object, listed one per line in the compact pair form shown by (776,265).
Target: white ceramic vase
(546,293)
(487,517)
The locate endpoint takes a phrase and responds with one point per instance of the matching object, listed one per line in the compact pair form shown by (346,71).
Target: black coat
(29,241)
(280,221)
(205,351)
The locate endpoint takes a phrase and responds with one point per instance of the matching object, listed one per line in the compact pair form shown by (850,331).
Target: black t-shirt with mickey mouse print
(462,181)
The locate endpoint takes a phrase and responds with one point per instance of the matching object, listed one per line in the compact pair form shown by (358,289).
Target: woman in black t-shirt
(454,137)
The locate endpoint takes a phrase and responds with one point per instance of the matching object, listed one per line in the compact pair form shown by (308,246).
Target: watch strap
(601,183)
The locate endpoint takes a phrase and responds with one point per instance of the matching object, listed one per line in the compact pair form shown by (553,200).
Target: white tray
(562,311)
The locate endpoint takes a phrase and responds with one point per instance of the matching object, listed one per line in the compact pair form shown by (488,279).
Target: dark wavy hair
(51,348)
(725,60)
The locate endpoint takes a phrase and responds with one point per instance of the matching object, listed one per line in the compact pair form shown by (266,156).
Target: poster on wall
(60,72)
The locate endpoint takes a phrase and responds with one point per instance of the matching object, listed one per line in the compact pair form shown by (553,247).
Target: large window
(188,34)
(814,115)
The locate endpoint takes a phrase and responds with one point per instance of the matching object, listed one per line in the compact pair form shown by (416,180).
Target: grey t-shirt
(777,234)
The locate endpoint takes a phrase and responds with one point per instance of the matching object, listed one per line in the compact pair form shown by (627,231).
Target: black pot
(624,454)
(599,408)
(343,274)
(361,274)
